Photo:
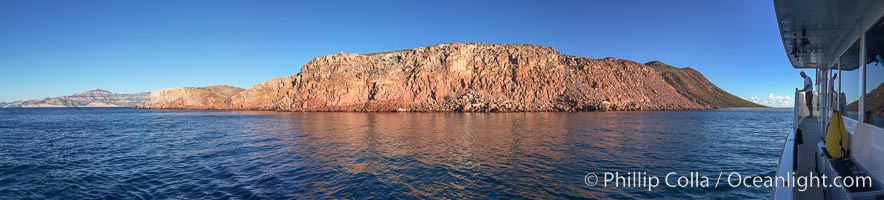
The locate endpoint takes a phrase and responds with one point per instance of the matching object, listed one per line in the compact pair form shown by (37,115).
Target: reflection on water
(96,153)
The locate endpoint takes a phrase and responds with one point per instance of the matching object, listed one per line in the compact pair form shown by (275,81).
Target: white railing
(785,168)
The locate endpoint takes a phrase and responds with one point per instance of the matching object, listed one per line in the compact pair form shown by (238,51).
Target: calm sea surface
(72,153)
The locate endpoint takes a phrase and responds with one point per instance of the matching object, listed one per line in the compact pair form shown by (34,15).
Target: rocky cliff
(91,98)
(695,87)
(474,77)
(212,97)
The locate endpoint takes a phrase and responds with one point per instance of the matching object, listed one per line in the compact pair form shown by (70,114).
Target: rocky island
(474,77)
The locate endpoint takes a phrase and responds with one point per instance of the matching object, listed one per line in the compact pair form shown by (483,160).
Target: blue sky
(52,48)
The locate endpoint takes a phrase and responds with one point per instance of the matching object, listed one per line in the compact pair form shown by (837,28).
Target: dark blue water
(69,153)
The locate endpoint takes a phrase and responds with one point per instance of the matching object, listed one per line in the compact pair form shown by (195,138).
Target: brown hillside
(694,86)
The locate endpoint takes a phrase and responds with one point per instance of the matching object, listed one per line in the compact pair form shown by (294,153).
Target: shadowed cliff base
(474,77)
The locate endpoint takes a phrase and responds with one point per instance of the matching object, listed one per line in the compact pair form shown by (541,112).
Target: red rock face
(472,77)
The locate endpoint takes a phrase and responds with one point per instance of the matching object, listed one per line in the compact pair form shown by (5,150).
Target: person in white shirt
(808,92)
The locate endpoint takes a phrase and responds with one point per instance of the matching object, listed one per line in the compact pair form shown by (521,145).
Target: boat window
(874,64)
(849,85)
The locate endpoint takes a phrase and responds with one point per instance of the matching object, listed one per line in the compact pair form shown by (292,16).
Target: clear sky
(53,48)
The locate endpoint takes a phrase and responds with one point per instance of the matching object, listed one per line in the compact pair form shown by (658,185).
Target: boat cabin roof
(816,32)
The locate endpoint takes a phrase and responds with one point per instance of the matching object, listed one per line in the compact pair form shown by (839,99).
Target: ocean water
(75,153)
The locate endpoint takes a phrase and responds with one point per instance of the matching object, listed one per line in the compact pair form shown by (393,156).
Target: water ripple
(147,154)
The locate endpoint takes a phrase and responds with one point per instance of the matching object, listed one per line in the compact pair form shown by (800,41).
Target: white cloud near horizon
(772,100)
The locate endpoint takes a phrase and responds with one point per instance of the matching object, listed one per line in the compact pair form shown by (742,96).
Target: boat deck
(810,128)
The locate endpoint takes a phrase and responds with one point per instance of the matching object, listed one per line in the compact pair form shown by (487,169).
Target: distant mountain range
(91,98)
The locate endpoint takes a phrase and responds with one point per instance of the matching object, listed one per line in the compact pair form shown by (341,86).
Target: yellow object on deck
(837,142)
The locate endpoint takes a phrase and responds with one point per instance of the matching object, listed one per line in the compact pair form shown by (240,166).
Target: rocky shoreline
(474,77)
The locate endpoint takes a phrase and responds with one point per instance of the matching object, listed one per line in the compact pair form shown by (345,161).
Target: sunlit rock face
(472,77)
